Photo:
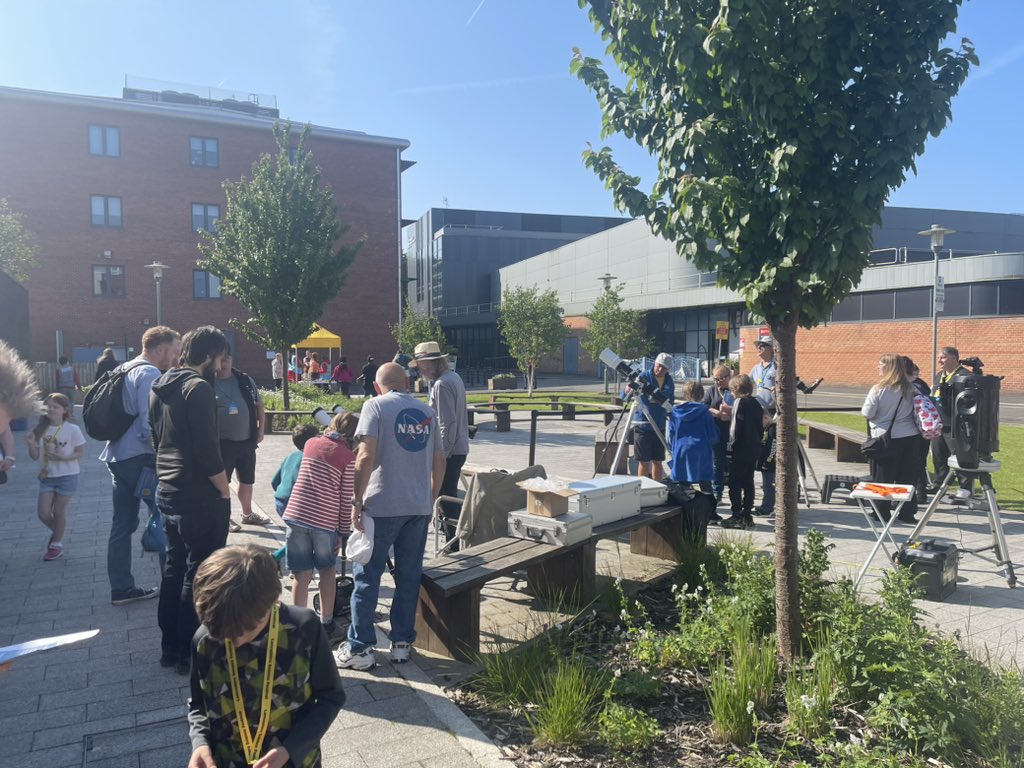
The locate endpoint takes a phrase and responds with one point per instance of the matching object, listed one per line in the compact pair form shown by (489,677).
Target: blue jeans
(126,519)
(719,458)
(408,535)
(767,492)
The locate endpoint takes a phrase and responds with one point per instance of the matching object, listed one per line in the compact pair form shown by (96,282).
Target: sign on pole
(940,293)
(722,330)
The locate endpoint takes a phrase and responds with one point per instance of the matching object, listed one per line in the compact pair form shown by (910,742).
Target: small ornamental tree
(531,324)
(620,330)
(417,328)
(779,128)
(18,248)
(275,249)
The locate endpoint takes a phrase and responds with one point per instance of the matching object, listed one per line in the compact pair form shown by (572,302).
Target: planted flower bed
(686,674)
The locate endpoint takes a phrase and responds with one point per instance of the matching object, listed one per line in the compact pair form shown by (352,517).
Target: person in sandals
(241,421)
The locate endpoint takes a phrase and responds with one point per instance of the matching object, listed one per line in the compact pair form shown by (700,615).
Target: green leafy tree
(416,328)
(620,330)
(18,248)
(779,128)
(531,324)
(275,249)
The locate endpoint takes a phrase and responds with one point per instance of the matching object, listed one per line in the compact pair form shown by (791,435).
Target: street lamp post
(607,278)
(158,275)
(937,235)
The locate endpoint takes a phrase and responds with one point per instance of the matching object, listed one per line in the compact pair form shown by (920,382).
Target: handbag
(154,538)
(878,448)
(927,418)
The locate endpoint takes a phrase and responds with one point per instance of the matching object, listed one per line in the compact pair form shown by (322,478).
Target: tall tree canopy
(618,329)
(531,324)
(18,248)
(779,128)
(275,249)
(417,328)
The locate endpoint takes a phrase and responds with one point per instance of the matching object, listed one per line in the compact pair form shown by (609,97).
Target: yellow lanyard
(253,745)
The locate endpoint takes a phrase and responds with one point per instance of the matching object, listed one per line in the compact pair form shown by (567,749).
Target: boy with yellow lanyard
(239,715)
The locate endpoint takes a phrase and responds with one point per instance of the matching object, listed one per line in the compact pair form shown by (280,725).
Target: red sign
(764,332)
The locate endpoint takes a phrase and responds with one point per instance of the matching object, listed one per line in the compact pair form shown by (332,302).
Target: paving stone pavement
(108,702)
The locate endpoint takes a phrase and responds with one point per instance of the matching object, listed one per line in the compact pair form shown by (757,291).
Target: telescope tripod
(998,546)
(635,405)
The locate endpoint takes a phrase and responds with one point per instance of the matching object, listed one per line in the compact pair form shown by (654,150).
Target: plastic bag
(359,548)
(154,538)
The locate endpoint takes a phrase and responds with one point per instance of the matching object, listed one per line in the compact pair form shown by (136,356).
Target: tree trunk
(529,380)
(787,563)
(284,381)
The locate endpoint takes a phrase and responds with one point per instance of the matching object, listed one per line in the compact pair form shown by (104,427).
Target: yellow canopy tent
(322,339)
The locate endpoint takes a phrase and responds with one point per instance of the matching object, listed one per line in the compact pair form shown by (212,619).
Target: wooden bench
(608,412)
(846,442)
(448,619)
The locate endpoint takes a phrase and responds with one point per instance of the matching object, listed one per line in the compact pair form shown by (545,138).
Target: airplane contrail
(478,7)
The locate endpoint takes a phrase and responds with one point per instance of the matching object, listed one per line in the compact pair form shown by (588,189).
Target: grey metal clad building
(451,262)
(983,265)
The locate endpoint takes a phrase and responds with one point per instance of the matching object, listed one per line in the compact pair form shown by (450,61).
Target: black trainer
(133,595)
(739,521)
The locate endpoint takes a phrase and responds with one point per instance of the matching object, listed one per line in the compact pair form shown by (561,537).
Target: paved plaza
(108,702)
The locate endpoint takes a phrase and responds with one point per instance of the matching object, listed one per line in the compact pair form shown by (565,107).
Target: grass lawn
(1009,482)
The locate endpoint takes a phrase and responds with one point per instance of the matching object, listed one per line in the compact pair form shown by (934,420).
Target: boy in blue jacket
(693,437)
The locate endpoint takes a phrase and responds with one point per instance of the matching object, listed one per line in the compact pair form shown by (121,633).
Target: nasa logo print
(412,429)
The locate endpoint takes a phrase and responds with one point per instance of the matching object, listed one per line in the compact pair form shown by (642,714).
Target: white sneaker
(962,495)
(400,652)
(344,658)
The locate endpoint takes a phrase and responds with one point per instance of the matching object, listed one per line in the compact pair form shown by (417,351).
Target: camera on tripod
(631,372)
(973,407)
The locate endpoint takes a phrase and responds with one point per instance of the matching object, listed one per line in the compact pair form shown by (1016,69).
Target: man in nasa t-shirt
(399,468)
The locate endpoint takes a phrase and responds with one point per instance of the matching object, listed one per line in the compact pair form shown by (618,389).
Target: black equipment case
(934,564)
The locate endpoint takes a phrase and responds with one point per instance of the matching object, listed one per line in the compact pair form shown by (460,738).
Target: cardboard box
(547,503)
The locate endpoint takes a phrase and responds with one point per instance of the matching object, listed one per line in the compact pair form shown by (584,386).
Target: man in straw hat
(448,399)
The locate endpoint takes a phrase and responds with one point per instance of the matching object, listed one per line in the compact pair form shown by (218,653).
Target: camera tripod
(998,546)
(637,403)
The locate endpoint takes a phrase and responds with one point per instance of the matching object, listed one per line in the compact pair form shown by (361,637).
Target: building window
(913,303)
(105,140)
(205,285)
(106,211)
(878,306)
(204,216)
(848,310)
(1011,297)
(958,301)
(985,299)
(108,281)
(203,151)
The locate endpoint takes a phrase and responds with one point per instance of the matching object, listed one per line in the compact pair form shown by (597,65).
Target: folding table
(871,493)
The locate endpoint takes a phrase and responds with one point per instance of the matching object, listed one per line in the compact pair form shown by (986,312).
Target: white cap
(664,359)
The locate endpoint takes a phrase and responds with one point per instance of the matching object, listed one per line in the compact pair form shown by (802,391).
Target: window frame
(107,269)
(204,152)
(106,222)
(104,136)
(209,277)
(209,224)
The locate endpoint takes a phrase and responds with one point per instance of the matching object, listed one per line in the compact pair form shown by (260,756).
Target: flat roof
(210,114)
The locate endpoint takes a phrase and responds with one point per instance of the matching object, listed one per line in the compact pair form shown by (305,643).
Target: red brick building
(109,186)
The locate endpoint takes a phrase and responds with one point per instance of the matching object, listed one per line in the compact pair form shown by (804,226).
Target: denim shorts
(310,548)
(65,485)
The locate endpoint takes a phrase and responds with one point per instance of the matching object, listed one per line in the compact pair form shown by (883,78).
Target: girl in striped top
(319,512)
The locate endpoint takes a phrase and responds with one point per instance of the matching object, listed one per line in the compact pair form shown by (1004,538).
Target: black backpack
(103,411)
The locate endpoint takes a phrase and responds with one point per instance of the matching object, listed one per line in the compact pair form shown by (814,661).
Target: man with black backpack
(130,457)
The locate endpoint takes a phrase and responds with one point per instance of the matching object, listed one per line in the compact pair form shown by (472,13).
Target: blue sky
(480,88)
